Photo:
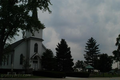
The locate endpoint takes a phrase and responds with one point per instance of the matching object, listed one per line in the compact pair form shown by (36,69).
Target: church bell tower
(34,48)
(37,34)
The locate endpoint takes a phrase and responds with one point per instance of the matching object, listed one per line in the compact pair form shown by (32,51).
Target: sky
(76,21)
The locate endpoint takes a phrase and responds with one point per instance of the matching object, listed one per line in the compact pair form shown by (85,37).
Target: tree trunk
(1,50)
(1,53)
(117,65)
(103,74)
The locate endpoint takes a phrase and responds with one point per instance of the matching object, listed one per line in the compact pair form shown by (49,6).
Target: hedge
(77,74)
(52,74)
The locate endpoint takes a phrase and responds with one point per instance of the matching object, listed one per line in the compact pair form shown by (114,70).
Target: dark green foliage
(116,57)
(52,74)
(79,64)
(92,52)
(78,74)
(14,16)
(63,57)
(116,53)
(5,71)
(48,60)
(105,63)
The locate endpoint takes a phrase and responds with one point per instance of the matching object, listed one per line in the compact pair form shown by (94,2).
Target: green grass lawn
(104,75)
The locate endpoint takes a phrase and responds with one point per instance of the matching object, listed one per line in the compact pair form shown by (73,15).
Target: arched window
(36,48)
(21,59)
(7,59)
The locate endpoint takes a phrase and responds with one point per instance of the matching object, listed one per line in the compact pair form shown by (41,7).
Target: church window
(21,59)
(7,59)
(4,60)
(36,48)
(11,58)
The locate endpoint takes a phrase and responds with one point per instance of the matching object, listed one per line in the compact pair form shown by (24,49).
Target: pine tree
(92,52)
(63,57)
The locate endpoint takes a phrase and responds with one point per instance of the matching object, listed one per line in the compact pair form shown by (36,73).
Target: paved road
(67,78)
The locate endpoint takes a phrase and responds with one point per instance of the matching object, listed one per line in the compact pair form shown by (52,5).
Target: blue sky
(76,21)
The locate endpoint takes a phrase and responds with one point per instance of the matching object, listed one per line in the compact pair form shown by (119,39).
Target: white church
(29,49)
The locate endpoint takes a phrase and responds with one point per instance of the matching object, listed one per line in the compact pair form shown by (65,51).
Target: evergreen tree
(48,60)
(63,57)
(92,52)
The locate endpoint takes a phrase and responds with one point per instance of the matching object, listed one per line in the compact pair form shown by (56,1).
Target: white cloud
(51,38)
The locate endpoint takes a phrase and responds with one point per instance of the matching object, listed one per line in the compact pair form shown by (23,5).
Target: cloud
(51,38)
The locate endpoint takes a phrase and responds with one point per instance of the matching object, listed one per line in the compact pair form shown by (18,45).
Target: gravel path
(67,78)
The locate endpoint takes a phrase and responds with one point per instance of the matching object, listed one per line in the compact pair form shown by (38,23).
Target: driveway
(67,78)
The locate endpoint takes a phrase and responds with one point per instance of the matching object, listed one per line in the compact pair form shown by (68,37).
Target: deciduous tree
(116,53)
(14,15)
(105,63)
(48,60)
(79,64)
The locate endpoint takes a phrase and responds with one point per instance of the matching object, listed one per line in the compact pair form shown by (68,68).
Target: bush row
(14,75)
(60,74)
(49,74)
(17,71)
(5,71)
(78,74)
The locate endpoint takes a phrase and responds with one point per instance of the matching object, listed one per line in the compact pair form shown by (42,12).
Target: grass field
(104,75)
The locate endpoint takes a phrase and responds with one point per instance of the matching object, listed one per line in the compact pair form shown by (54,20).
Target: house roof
(89,67)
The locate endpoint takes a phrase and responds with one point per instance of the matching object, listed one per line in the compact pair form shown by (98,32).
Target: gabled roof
(44,47)
(89,67)
(12,46)
(35,56)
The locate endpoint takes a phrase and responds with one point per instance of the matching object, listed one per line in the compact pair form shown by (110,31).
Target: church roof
(12,46)
(35,55)
(17,43)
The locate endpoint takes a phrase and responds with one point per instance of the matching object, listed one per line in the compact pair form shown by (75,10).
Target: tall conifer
(92,52)
(63,57)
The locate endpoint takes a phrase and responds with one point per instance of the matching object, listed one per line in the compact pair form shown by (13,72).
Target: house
(25,53)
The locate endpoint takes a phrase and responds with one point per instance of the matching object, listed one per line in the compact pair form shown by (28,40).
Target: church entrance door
(35,63)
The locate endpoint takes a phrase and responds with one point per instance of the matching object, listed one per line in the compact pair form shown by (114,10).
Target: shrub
(52,74)
(15,75)
(77,74)
(5,71)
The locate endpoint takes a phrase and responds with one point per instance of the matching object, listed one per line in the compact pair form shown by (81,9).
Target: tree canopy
(116,53)
(48,60)
(105,63)
(79,64)
(14,15)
